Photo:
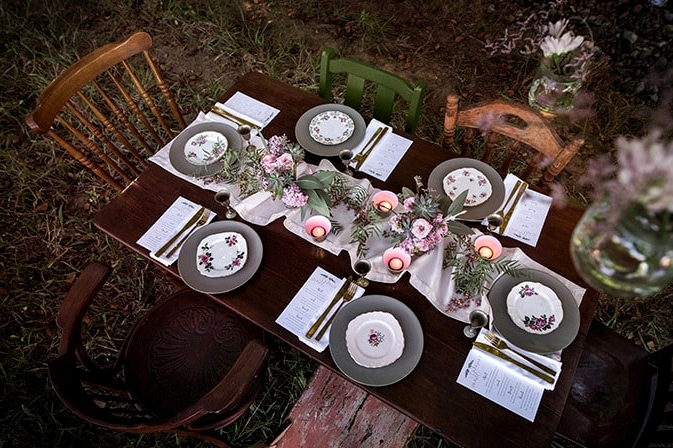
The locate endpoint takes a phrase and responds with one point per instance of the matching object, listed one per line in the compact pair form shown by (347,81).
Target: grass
(48,201)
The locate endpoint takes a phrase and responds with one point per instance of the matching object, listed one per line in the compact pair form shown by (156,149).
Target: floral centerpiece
(565,62)
(274,168)
(425,220)
(623,245)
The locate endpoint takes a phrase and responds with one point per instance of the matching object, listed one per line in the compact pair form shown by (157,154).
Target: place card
(170,222)
(386,154)
(309,303)
(493,380)
(529,215)
(247,107)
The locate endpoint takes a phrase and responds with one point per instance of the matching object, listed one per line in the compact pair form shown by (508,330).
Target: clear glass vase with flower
(623,244)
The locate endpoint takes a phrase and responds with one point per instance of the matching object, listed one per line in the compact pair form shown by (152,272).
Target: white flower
(560,45)
(555,29)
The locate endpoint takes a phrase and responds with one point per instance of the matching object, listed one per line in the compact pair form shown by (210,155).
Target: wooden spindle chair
(511,138)
(188,366)
(110,110)
(388,88)
(622,395)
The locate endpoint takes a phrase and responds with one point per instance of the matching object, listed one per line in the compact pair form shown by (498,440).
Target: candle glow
(318,227)
(395,264)
(385,201)
(318,231)
(488,247)
(396,259)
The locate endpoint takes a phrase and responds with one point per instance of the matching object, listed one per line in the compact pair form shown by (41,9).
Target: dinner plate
(179,148)
(331,127)
(187,261)
(205,148)
(478,186)
(554,341)
(221,254)
(382,376)
(374,339)
(303,134)
(481,210)
(534,307)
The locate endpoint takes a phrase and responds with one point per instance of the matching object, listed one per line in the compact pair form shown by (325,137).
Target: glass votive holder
(488,247)
(318,227)
(384,202)
(396,260)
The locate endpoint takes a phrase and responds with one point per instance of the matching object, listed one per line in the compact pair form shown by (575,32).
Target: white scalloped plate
(331,127)
(534,308)
(221,254)
(205,148)
(374,339)
(471,179)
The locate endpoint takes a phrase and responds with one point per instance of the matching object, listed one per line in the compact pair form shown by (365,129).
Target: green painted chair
(388,88)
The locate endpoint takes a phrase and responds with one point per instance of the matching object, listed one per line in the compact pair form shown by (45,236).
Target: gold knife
(365,153)
(311,331)
(229,116)
(494,351)
(508,215)
(190,223)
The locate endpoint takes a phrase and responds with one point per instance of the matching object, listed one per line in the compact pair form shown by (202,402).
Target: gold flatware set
(232,117)
(343,295)
(199,219)
(367,148)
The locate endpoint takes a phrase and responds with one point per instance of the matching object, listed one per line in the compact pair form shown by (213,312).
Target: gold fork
(202,220)
(508,216)
(350,292)
(501,212)
(502,345)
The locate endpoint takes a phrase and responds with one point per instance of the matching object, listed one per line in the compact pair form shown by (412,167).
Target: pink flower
(293,196)
(396,224)
(408,202)
(284,162)
(420,228)
(269,163)
(276,145)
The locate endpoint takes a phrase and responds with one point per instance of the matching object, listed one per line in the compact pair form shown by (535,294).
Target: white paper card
(529,215)
(387,153)
(170,222)
(492,380)
(250,108)
(309,303)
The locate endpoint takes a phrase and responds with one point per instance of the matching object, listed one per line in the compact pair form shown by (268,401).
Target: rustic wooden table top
(430,393)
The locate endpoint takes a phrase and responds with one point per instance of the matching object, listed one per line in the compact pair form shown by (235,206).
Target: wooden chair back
(513,138)
(622,396)
(110,110)
(388,88)
(159,382)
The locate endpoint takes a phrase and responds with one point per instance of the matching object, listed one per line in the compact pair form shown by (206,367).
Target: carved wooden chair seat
(188,366)
(388,88)
(622,396)
(512,138)
(110,110)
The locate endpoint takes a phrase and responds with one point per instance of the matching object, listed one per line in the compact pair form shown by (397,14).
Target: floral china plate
(471,179)
(534,307)
(205,148)
(331,127)
(374,339)
(337,140)
(221,254)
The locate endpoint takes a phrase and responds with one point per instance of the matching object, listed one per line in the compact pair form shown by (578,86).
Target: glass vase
(554,94)
(625,253)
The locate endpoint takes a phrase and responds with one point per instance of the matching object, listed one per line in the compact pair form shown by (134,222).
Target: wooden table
(430,393)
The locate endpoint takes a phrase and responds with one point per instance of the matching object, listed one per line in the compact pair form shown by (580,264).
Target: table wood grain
(430,393)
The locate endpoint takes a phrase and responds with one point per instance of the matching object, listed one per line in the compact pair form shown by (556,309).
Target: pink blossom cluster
(420,235)
(293,196)
(273,163)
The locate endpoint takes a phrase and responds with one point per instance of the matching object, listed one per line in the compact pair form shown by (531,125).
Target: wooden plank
(334,413)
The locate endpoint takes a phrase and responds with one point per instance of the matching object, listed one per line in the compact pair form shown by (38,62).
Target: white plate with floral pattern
(305,135)
(195,278)
(221,254)
(205,148)
(558,339)
(478,186)
(331,127)
(534,308)
(374,339)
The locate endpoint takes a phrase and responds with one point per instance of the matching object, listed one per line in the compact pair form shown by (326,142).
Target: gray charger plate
(436,183)
(177,150)
(380,376)
(215,285)
(537,343)
(301,131)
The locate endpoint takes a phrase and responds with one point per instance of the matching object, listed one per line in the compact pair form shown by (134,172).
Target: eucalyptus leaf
(325,177)
(459,228)
(457,204)
(407,193)
(317,203)
(309,182)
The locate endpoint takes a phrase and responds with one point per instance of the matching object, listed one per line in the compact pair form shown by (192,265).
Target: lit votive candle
(488,247)
(318,227)
(385,202)
(396,260)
